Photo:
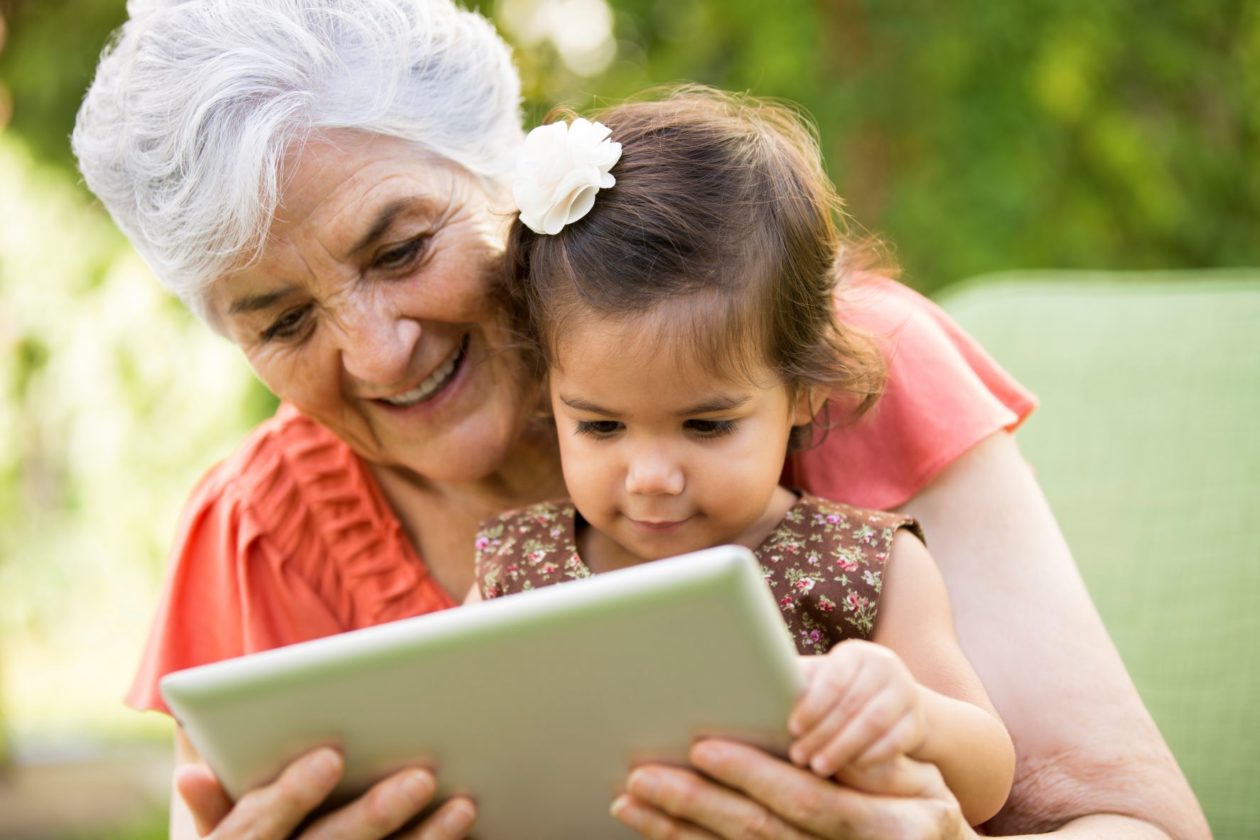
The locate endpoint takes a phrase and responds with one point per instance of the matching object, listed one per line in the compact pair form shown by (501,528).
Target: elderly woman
(323,183)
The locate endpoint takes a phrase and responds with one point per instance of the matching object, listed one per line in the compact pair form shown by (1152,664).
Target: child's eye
(401,256)
(287,326)
(597,428)
(710,428)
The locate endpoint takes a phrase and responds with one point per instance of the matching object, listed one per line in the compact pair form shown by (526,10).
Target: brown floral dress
(824,563)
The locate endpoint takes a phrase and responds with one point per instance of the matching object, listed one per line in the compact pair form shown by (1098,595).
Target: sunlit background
(973,136)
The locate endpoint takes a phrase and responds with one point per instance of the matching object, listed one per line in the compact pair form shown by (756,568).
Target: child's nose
(654,473)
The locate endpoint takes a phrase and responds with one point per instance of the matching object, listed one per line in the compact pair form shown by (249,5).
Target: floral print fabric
(824,563)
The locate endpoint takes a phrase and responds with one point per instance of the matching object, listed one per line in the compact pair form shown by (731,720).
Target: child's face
(659,455)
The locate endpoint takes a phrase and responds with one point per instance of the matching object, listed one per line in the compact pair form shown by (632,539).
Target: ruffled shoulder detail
(302,490)
(287,540)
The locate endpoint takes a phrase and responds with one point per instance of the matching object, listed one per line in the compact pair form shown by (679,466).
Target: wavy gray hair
(195,103)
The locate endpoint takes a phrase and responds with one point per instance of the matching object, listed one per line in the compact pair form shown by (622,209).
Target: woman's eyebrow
(386,217)
(253,303)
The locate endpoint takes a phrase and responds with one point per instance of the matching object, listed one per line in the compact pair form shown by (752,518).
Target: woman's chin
(474,449)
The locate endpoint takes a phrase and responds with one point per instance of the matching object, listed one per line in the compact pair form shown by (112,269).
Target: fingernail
(798,756)
(643,784)
(459,817)
(326,766)
(821,766)
(418,786)
(706,753)
(626,812)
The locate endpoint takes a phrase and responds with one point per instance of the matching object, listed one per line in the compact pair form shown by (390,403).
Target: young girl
(675,270)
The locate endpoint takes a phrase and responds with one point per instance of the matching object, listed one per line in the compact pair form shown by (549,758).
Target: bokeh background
(972,136)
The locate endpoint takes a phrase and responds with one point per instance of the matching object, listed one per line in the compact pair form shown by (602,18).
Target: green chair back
(1147,443)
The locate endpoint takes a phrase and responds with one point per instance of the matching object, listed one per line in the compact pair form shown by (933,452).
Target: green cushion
(1146,444)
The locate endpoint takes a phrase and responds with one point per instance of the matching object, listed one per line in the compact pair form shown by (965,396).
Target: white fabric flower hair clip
(560,169)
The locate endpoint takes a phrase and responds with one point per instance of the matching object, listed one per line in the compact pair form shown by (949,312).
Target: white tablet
(535,704)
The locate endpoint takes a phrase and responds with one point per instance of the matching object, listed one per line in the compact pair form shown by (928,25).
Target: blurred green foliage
(973,136)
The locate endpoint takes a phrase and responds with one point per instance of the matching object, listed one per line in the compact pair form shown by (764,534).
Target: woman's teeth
(430,385)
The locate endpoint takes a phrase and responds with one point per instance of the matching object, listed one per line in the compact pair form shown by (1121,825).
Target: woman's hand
(276,810)
(861,705)
(751,794)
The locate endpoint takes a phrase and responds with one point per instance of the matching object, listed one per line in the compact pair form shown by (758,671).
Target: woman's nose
(377,343)
(653,473)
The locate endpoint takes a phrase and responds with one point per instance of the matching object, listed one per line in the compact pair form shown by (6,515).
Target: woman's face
(370,308)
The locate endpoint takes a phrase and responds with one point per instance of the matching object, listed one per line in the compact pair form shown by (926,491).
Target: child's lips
(659,525)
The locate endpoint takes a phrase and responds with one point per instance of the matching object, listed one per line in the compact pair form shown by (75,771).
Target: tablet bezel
(536,704)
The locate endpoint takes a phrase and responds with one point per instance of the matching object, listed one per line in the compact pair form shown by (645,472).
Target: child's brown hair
(721,205)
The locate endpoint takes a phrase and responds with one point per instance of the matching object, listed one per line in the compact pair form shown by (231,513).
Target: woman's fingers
(910,799)
(208,803)
(664,803)
(900,798)
(383,809)
(450,822)
(812,805)
(652,823)
(900,776)
(275,810)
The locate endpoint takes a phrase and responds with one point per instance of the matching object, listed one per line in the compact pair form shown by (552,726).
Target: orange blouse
(291,539)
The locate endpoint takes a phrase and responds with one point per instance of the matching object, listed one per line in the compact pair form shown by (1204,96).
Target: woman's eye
(710,428)
(401,256)
(598,428)
(287,326)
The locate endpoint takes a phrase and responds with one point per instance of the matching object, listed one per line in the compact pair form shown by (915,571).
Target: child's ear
(806,403)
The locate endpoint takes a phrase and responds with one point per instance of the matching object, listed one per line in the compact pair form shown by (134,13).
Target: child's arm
(912,693)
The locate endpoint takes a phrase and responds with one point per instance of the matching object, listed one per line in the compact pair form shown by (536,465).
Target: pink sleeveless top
(290,538)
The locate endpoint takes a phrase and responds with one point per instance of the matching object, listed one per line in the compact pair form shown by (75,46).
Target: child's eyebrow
(583,405)
(714,405)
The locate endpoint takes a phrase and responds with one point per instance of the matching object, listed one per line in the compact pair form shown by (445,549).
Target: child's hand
(860,706)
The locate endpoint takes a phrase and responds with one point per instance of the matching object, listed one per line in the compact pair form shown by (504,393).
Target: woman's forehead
(343,182)
(344,193)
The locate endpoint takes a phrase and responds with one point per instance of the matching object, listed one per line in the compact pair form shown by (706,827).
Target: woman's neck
(441,517)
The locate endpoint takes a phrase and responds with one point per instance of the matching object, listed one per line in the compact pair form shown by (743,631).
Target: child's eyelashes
(696,428)
(710,428)
(597,428)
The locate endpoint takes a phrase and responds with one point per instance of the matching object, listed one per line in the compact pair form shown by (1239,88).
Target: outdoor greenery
(972,136)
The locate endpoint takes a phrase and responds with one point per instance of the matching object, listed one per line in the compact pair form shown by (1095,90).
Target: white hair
(195,103)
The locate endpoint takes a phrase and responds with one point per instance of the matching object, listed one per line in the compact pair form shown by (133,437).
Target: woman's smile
(434,385)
